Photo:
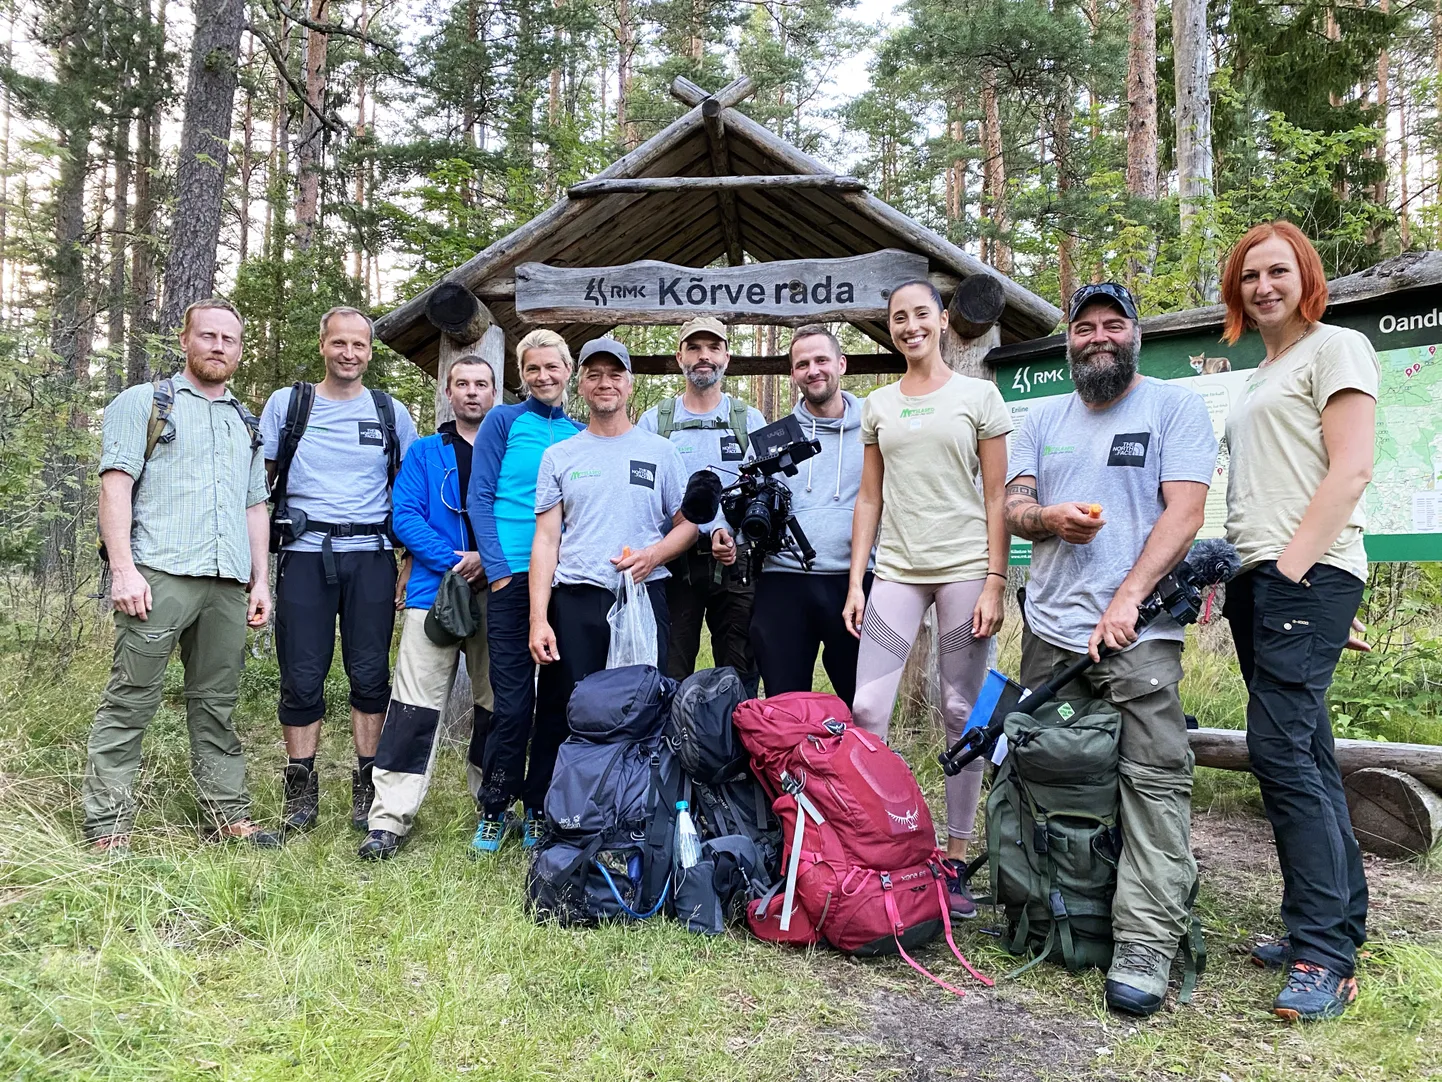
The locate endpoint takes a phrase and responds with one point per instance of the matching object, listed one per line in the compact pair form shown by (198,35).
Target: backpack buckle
(834,727)
(1039,842)
(792,784)
(885,880)
(343,529)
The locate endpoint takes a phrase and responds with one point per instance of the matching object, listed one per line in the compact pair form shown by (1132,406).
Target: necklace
(1271,360)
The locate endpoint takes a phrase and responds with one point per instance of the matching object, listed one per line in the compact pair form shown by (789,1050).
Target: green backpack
(1052,835)
(1053,839)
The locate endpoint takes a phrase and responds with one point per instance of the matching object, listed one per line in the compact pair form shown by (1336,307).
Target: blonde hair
(345,310)
(543,338)
(211,303)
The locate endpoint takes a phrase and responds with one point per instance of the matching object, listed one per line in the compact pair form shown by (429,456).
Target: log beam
(1226,749)
(721,166)
(1393,814)
(688,93)
(650,185)
(977,305)
(454,310)
(857,364)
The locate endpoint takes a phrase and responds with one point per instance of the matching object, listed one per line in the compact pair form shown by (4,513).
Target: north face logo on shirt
(1129,449)
(643,473)
(731,448)
(371,434)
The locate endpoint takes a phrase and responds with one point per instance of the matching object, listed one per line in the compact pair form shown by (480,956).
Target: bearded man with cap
(711,431)
(444,616)
(1145,451)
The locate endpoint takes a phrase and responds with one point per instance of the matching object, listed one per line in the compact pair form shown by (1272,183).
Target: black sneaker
(381,845)
(302,798)
(362,796)
(1313,993)
(958,894)
(1274,955)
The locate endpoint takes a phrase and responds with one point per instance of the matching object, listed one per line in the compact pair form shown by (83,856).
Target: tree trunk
(5,108)
(1194,106)
(119,223)
(626,49)
(956,172)
(247,154)
(204,147)
(1379,193)
(1142,99)
(142,250)
(312,132)
(1066,239)
(994,172)
(360,172)
(1404,221)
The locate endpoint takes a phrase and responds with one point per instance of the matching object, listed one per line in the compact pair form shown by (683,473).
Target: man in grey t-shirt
(608,504)
(341,565)
(1109,485)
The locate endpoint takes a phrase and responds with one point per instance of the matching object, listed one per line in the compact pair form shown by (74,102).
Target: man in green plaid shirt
(186,531)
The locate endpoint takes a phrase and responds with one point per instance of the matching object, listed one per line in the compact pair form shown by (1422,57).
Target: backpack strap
(386,411)
(738,424)
(162,403)
(251,422)
(666,417)
(1194,950)
(297,416)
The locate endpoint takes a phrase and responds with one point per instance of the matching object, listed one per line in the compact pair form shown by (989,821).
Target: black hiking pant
(698,592)
(797,614)
(1289,637)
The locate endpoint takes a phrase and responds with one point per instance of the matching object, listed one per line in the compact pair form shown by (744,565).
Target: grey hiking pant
(1157,871)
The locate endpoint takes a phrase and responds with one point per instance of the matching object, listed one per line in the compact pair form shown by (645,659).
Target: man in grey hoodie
(798,612)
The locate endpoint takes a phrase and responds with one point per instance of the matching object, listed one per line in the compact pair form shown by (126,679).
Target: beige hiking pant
(406,756)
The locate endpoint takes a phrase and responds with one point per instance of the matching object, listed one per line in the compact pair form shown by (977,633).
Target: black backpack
(733,813)
(611,807)
(287,524)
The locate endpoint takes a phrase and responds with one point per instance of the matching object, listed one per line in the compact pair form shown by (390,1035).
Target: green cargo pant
(206,617)
(1157,870)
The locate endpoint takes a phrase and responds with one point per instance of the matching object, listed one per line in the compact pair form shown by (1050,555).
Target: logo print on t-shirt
(371,434)
(731,448)
(643,473)
(1129,449)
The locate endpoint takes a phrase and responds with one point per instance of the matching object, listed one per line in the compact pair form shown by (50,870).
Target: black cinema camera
(758,505)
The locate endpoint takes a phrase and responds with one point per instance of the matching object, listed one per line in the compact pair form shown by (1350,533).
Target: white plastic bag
(633,626)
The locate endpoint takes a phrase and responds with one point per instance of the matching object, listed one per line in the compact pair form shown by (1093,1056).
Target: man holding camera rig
(711,431)
(1144,450)
(798,609)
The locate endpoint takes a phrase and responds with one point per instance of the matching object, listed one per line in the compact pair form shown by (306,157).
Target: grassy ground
(195,961)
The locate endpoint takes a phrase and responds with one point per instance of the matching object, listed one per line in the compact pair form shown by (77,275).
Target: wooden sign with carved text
(787,292)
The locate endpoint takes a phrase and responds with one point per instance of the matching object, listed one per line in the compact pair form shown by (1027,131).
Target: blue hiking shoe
(1314,993)
(534,827)
(490,833)
(1274,955)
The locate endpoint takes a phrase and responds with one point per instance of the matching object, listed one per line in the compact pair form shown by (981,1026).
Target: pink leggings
(894,612)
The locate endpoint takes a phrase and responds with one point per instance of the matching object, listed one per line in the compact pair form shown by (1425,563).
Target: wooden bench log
(1226,749)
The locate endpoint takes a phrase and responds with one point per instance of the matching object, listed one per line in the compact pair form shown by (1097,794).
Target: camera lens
(756,522)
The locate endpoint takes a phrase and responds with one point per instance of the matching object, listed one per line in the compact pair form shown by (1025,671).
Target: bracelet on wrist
(999,574)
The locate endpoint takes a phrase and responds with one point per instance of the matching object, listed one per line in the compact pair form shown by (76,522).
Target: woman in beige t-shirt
(1301,441)
(942,538)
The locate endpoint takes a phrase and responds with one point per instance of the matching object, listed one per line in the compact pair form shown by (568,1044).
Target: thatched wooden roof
(695,229)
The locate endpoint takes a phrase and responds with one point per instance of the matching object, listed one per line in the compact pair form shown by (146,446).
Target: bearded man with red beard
(184,527)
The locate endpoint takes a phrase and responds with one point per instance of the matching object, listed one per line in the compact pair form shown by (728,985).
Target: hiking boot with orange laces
(249,832)
(1313,993)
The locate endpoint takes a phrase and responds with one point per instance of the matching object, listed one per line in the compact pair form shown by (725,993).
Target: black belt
(341,529)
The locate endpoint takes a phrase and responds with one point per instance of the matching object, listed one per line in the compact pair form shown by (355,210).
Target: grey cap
(605,347)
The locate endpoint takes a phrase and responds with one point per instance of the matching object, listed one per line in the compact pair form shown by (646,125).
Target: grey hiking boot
(302,798)
(1137,979)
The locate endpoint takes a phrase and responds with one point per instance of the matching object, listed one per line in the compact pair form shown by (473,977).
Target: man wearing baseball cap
(608,504)
(1143,450)
(710,430)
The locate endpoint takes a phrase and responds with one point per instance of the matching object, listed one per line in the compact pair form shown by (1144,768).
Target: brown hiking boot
(250,832)
(110,845)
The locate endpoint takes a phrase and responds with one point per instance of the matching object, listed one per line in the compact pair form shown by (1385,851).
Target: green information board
(1403,504)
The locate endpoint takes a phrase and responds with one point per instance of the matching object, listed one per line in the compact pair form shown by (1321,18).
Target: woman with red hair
(1301,442)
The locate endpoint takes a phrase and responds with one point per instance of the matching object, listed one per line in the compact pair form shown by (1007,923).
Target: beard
(703,380)
(1101,382)
(819,394)
(606,409)
(211,369)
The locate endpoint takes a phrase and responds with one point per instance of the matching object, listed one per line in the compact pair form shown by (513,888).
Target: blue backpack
(611,807)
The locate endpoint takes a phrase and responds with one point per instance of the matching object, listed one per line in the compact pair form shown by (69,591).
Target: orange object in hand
(625,551)
(1095,511)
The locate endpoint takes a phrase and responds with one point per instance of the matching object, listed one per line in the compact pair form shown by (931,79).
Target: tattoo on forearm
(1023,518)
(1021,490)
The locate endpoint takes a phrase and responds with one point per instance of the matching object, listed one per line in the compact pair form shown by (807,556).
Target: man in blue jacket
(428,516)
(502,508)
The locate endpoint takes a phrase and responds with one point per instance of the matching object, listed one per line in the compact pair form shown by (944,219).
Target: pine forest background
(297,154)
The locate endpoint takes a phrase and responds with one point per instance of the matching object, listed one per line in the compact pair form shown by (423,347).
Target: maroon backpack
(862,869)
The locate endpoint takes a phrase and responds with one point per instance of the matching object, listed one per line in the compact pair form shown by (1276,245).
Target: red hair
(1309,269)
